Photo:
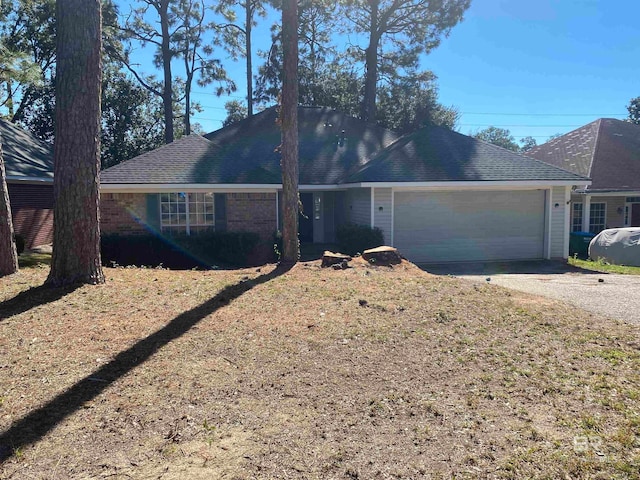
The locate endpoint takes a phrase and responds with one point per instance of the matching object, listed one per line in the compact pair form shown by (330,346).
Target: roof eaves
(22,179)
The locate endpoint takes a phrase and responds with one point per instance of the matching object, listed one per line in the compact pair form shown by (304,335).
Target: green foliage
(602,266)
(394,34)
(634,111)
(231,248)
(554,136)
(180,252)
(353,238)
(175,29)
(236,111)
(527,143)
(498,136)
(404,103)
(131,119)
(407,99)
(27,50)
(278,245)
(408,103)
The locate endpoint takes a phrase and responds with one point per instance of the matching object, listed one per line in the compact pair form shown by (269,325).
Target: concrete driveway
(613,295)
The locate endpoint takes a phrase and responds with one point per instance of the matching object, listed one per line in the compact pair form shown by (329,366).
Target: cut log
(331,258)
(382,256)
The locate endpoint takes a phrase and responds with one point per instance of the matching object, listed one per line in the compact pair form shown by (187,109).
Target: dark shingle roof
(436,154)
(24,154)
(247,152)
(326,155)
(607,150)
(191,159)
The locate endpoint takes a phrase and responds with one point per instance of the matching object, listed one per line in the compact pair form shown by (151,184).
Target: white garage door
(469,226)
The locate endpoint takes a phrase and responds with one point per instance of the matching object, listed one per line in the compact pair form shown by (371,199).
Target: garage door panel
(469,226)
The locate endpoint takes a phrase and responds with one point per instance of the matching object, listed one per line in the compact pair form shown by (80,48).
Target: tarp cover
(619,246)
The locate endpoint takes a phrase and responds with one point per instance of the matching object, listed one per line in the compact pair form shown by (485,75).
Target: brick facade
(32,212)
(123,213)
(126,213)
(252,212)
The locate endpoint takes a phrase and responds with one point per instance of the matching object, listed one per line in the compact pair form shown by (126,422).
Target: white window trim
(626,214)
(604,218)
(573,216)
(628,211)
(188,224)
(583,227)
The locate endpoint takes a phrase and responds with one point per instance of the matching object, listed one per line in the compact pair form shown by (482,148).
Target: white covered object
(619,246)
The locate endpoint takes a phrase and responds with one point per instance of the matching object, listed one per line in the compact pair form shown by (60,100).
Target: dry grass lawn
(371,372)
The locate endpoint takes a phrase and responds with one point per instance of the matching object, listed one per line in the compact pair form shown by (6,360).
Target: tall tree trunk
(9,102)
(76,229)
(167,91)
(289,125)
(8,254)
(247,29)
(368,111)
(187,103)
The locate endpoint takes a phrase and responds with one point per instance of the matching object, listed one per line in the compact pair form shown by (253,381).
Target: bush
(181,252)
(354,238)
(278,246)
(20,243)
(231,248)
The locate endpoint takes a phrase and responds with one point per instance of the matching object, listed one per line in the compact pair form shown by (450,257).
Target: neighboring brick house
(437,195)
(607,151)
(29,168)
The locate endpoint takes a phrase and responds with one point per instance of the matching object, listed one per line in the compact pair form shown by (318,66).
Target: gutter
(34,180)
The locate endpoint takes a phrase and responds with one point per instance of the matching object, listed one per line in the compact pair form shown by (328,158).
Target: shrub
(278,245)
(354,238)
(20,243)
(231,248)
(181,252)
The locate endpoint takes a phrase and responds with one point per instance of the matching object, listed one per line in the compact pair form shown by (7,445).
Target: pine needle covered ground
(370,372)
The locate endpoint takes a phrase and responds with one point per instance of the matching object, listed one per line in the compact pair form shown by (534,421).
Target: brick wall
(32,212)
(252,212)
(123,213)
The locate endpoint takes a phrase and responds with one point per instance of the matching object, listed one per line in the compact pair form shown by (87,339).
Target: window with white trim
(597,217)
(187,213)
(626,215)
(576,221)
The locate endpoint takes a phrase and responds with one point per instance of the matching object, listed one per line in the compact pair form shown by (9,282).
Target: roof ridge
(561,137)
(595,146)
(470,147)
(519,154)
(373,157)
(235,124)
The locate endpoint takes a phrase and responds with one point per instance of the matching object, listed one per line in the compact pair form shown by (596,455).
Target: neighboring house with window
(28,165)
(608,152)
(437,195)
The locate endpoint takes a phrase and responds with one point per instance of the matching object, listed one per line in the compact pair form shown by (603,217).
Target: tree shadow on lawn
(38,423)
(32,298)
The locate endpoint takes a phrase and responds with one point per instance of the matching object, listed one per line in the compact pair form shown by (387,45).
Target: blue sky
(545,66)
(535,67)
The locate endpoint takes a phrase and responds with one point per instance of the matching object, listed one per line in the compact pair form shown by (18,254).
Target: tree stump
(382,256)
(331,258)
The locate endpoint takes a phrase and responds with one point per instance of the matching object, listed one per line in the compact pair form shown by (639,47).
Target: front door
(305,220)
(635,215)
